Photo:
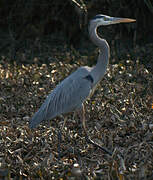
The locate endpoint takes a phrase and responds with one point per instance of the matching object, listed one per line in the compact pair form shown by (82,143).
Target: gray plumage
(65,97)
(70,94)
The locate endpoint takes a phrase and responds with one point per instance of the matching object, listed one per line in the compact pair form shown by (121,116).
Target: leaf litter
(119,117)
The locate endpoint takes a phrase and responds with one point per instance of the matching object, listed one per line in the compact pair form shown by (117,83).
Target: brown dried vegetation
(119,117)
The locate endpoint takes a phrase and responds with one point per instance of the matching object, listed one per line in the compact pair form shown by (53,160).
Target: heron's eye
(105,18)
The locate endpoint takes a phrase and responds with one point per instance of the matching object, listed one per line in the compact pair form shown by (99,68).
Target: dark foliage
(24,22)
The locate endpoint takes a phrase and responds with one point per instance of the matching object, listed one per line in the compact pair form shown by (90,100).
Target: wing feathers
(66,97)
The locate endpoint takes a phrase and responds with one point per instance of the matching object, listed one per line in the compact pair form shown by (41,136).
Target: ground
(119,117)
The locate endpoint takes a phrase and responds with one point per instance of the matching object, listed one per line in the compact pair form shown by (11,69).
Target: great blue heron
(70,94)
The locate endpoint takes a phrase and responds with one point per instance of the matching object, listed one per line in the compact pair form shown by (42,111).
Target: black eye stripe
(98,17)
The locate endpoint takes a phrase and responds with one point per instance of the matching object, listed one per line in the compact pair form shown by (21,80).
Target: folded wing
(68,96)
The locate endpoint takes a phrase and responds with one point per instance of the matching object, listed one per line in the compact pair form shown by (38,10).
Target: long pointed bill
(122,20)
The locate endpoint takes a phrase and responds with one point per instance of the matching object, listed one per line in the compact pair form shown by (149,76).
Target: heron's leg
(59,135)
(60,130)
(65,119)
(59,144)
(86,134)
(84,120)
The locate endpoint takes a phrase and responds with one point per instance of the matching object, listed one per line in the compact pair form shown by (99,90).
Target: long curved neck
(103,59)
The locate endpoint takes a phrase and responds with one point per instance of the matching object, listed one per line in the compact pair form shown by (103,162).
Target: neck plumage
(103,59)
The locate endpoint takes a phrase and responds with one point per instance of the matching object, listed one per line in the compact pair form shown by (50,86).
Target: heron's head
(103,20)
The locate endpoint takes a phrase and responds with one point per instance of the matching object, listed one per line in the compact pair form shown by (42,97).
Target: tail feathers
(45,112)
(38,117)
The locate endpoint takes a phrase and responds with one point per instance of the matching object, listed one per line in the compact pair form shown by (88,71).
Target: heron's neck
(103,59)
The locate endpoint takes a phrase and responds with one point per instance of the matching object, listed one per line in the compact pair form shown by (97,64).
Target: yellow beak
(122,20)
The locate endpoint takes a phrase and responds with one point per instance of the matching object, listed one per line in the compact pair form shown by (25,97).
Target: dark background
(26,24)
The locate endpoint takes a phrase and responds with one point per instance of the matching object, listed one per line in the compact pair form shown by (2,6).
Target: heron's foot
(97,145)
